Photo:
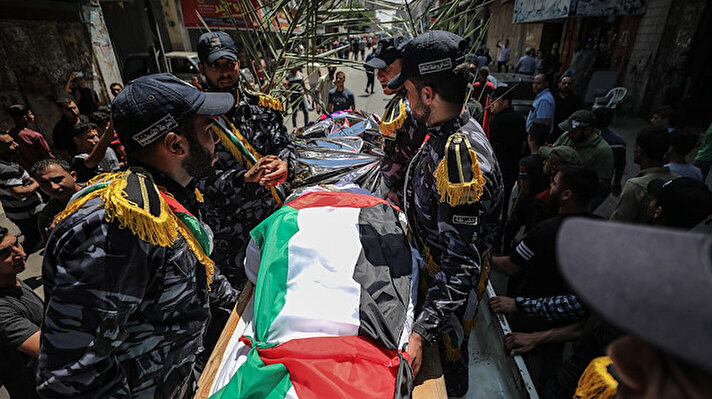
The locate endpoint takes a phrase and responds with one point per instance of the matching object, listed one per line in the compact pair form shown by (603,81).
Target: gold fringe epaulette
(597,381)
(160,229)
(393,118)
(147,216)
(458,177)
(265,100)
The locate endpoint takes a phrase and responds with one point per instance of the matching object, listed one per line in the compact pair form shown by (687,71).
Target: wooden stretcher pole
(211,368)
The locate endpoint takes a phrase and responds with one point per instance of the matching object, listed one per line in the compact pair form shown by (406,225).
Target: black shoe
(456,380)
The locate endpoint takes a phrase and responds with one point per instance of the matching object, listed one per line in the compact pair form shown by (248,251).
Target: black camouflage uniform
(125,317)
(404,134)
(457,238)
(453,201)
(400,151)
(232,207)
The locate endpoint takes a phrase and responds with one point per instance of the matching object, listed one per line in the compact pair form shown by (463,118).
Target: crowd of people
(144,209)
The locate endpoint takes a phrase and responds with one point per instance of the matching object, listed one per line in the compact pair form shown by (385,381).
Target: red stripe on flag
(174,204)
(336,367)
(319,199)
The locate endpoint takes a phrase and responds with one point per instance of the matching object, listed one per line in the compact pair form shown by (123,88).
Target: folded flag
(332,306)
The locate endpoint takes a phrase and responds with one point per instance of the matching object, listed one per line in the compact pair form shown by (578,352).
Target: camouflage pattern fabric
(400,151)
(123,317)
(456,237)
(232,207)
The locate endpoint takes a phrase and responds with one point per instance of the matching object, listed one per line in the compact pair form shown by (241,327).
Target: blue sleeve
(545,110)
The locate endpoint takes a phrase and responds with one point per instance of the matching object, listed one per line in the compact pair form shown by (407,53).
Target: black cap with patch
(387,51)
(215,45)
(432,52)
(153,105)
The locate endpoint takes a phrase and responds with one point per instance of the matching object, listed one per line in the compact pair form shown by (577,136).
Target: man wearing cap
(655,285)
(403,133)
(127,271)
(651,145)
(554,158)
(252,130)
(453,197)
(683,202)
(582,135)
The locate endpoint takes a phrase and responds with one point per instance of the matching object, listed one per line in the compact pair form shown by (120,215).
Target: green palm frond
(305,22)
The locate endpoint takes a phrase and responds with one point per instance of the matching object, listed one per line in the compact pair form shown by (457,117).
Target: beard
(199,162)
(420,111)
(227,85)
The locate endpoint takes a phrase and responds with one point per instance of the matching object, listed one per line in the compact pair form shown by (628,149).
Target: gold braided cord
(459,193)
(388,128)
(239,157)
(452,353)
(244,143)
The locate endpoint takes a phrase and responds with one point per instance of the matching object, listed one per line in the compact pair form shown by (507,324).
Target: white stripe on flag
(524,251)
(322,297)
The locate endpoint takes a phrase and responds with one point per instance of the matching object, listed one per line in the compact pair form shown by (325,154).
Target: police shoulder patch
(458,177)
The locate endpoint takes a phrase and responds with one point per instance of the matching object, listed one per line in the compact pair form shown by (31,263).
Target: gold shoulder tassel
(389,127)
(596,381)
(460,192)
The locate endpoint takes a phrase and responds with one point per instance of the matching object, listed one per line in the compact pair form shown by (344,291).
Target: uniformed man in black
(254,157)
(127,273)
(453,197)
(403,134)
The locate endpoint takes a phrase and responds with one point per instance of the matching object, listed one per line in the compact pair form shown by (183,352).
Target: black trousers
(369,81)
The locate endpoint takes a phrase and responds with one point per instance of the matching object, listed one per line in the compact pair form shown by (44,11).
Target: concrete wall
(641,68)
(520,36)
(36,57)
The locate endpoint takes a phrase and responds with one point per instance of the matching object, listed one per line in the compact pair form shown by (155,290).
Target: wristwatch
(519,302)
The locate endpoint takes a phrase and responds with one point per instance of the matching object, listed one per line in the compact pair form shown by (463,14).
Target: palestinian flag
(332,306)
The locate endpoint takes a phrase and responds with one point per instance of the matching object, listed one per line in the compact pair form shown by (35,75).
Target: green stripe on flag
(256,380)
(272,237)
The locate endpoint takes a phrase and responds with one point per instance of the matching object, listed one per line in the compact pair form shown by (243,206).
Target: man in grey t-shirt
(340,98)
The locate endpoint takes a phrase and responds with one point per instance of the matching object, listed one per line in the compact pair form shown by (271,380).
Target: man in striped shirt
(18,193)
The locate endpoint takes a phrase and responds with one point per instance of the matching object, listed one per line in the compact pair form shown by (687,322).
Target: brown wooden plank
(430,383)
(211,368)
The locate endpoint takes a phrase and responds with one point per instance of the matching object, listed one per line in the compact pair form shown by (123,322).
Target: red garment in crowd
(32,147)
(481,93)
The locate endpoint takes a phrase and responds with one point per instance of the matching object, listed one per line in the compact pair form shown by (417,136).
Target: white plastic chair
(611,99)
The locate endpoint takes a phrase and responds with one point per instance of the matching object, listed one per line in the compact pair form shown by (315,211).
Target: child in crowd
(92,154)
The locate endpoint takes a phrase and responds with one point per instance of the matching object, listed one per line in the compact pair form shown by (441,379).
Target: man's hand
(616,189)
(502,304)
(393,197)
(519,343)
(276,173)
(415,352)
(257,171)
